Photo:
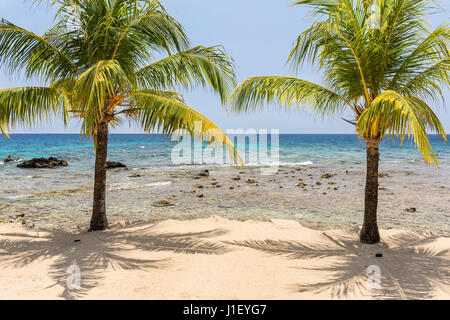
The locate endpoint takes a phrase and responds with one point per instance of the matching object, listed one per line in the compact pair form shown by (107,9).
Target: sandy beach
(217,258)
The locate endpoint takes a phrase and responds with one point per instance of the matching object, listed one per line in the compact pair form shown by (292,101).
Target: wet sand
(317,197)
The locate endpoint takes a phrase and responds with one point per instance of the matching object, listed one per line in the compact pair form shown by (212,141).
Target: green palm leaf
(401,116)
(254,93)
(28,105)
(167,112)
(198,66)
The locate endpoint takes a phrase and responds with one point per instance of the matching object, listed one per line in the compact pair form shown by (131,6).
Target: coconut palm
(104,61)
(381,62)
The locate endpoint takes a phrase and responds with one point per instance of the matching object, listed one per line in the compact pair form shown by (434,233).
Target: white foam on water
(293,164)
(17,197)
(155,184)
(134,185)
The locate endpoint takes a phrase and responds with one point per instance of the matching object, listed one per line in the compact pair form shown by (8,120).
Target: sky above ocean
(258,34)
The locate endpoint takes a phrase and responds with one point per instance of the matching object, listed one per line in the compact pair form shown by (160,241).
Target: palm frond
(206,66)
(95,90)
(400,116)
(39,56)
(256,92)
(427,84)
(165,111)
(29,105)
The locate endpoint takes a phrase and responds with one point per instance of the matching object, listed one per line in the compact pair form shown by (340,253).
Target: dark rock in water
(163,203)
(37,163)
(204,173)
(11,159)
(114,165)
(136,175)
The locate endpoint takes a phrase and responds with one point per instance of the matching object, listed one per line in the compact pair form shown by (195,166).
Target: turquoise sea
(141,150)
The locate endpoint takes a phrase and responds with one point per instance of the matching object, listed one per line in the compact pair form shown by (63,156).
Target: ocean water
(142,150)
(64,194)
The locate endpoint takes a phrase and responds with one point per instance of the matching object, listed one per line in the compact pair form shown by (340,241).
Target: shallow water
(62,196)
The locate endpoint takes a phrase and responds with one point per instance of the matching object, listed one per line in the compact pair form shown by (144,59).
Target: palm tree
(381,62)
(98,63)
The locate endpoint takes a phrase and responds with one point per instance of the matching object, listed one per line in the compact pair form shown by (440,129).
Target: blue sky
(257,33)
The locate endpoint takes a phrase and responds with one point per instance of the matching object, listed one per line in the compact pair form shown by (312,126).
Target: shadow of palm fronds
(408,269)
(94,253)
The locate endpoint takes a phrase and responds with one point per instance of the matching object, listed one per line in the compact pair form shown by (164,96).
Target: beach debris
(412,209)
(198,186)
(250,181)
(231,188)
(77,240)
(163,203)
(327,175)
(331,183)
(383,174)
(114,165)
(237,178)
(20,215)
(301,185)
(37,163)
(379,255)
(204,173)
(200,196)
(318,183)
(215,183)
(11,159)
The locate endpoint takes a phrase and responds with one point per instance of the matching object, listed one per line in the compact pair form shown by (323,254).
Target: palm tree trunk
(369,232)
(98,219)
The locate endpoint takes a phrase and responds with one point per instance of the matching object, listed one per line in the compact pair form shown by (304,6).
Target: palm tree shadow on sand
(96,252)
(408,269)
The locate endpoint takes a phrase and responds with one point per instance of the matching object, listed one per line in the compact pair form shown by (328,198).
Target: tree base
(369,235)
(98,222)
(97,228)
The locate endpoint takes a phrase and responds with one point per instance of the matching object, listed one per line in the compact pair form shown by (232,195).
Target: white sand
(216,258)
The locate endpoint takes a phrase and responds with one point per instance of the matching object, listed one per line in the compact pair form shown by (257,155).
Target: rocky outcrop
(38,163)
(114,165)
